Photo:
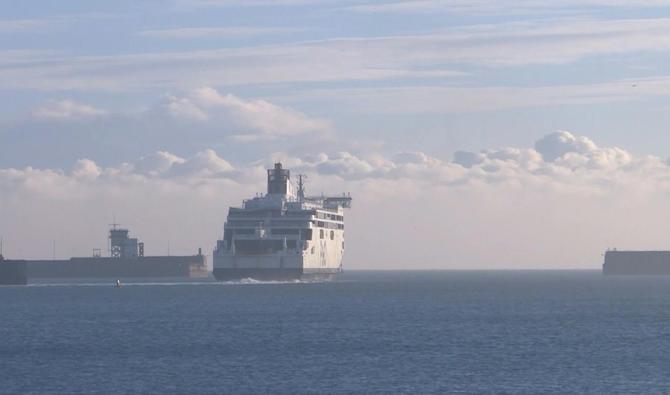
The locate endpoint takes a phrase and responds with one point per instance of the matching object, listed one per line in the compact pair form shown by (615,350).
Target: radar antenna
(114,225)
(301,187)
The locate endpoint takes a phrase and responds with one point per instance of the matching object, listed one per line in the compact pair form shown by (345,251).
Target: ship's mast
(301,187)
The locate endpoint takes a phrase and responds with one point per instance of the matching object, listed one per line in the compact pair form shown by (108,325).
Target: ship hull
(281,266)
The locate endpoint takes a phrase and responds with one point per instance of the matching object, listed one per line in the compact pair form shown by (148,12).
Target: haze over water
(373,332)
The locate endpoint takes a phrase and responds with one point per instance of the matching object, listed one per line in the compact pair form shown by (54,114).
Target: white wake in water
(252,281)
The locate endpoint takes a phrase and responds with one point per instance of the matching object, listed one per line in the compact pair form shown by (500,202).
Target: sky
(472,134)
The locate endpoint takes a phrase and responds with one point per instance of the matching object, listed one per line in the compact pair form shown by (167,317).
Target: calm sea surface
(372,332)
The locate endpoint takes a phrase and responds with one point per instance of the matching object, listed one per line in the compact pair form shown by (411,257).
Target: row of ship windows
(329,225)
(306,234)
(240,213)
(259,217)
(302,223)
(319,224)
(333,217)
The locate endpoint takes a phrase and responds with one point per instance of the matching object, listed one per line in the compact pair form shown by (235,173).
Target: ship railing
(302,224)
(267,237)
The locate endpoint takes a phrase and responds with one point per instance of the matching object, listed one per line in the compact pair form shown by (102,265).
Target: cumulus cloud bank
(558,204)
(562,157)
(559,160)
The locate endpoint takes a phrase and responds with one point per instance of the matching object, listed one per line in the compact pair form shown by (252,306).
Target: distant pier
(628,263)
(127,260)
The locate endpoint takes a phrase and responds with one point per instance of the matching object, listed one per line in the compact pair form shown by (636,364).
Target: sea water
(408,332)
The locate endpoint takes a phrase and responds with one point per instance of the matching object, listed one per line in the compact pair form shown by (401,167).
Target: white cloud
(250,118)
(157,163)
(62,131)
(557,144)
(204,164)
(183,108)
(68,109)
(578,151)
(561,160)
(86,169)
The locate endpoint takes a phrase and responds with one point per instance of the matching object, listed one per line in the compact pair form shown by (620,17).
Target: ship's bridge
(282,195)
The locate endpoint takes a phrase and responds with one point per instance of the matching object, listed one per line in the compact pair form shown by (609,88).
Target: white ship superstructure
(283,234)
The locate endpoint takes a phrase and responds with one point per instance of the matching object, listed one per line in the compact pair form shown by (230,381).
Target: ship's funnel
(279,181)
